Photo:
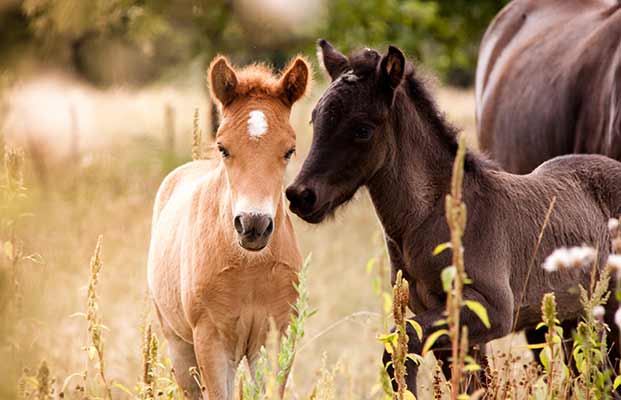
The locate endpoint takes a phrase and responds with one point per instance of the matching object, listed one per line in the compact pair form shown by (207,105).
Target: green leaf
(479,310)
(389,340)
(92,352)
(447,276)
(123,388)
(409,395)
(431,339)
(540,325)
(417,328)
(370,264)
(536,346)
(441,247)
(616,383)
(440,322)
(387,302)
(544,358)
(472,368)
(416,359)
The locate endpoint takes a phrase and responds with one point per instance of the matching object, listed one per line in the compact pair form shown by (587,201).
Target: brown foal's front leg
(216,367)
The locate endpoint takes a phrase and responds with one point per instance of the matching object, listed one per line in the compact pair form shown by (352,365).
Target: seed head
(598,312)
(618,317)
(614,263)
(573,257)
(548,309)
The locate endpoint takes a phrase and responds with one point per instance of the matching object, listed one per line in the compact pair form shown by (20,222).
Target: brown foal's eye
(225,153)
(289,154)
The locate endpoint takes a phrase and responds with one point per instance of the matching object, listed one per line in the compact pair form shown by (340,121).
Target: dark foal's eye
(289,154)
(363,134)
(225,153)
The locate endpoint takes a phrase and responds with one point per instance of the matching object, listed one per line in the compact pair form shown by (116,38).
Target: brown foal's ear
(295,81)
(333,61)
(391,69)
(222,81)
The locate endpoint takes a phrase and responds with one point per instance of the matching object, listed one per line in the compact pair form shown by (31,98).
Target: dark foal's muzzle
(304,202)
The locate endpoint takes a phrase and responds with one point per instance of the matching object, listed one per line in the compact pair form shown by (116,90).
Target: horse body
(377,126)
(548,82)
(505,215)
(224,258)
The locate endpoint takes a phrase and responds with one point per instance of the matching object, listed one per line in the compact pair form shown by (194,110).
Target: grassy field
(109,191)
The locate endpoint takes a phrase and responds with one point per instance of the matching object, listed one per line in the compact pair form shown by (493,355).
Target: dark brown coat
(549,82)
(377,126)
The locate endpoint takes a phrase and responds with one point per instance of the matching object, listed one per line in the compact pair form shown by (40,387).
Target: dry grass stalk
(548,312)
(95,326)
(197,145)
(401,293)
(43,382)
(13,190)
(149,360)
(456,218)
(13,166)
(169,126)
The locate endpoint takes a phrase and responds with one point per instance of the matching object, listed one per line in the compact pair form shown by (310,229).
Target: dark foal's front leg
(500,318)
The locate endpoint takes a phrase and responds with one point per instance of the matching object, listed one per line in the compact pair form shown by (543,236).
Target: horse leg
(477,379)
(478,334)
(538,336)
(216,367)
(183,358)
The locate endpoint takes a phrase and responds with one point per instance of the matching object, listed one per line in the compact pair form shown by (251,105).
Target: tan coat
(214,297)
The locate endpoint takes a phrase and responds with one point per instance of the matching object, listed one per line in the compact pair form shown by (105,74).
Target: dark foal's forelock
(360,123)
(351,96)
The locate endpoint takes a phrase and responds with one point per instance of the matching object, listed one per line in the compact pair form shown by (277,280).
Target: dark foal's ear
(391,69)
(333,61)
(222,81)
(295,81)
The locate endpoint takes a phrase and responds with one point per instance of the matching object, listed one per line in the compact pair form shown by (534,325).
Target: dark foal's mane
(365,64)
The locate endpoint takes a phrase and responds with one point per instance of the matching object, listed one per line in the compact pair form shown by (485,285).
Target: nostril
(308,198)
(239,227)
(270,227)
(291,193)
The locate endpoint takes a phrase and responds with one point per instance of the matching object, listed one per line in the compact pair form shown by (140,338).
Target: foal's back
(586,192)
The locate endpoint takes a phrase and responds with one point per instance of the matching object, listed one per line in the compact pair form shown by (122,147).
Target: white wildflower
(618,317)
(573,257)
(614,263)
(598,312)
(613,224)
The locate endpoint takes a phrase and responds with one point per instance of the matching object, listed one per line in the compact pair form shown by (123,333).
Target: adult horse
(223,255)
(377,126)
(548,82)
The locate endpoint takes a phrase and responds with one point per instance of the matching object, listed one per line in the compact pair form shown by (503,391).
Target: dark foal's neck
(415,177)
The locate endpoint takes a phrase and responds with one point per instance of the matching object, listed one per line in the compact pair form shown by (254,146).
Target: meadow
(107,188)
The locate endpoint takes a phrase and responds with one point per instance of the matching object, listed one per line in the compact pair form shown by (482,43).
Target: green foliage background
(136,41)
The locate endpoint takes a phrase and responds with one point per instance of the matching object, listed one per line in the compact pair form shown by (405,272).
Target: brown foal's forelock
(377,126)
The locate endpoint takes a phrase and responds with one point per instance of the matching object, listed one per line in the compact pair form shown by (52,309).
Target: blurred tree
(137,41)
(443,34)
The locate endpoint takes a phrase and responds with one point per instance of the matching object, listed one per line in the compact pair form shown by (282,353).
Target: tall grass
(143,370)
